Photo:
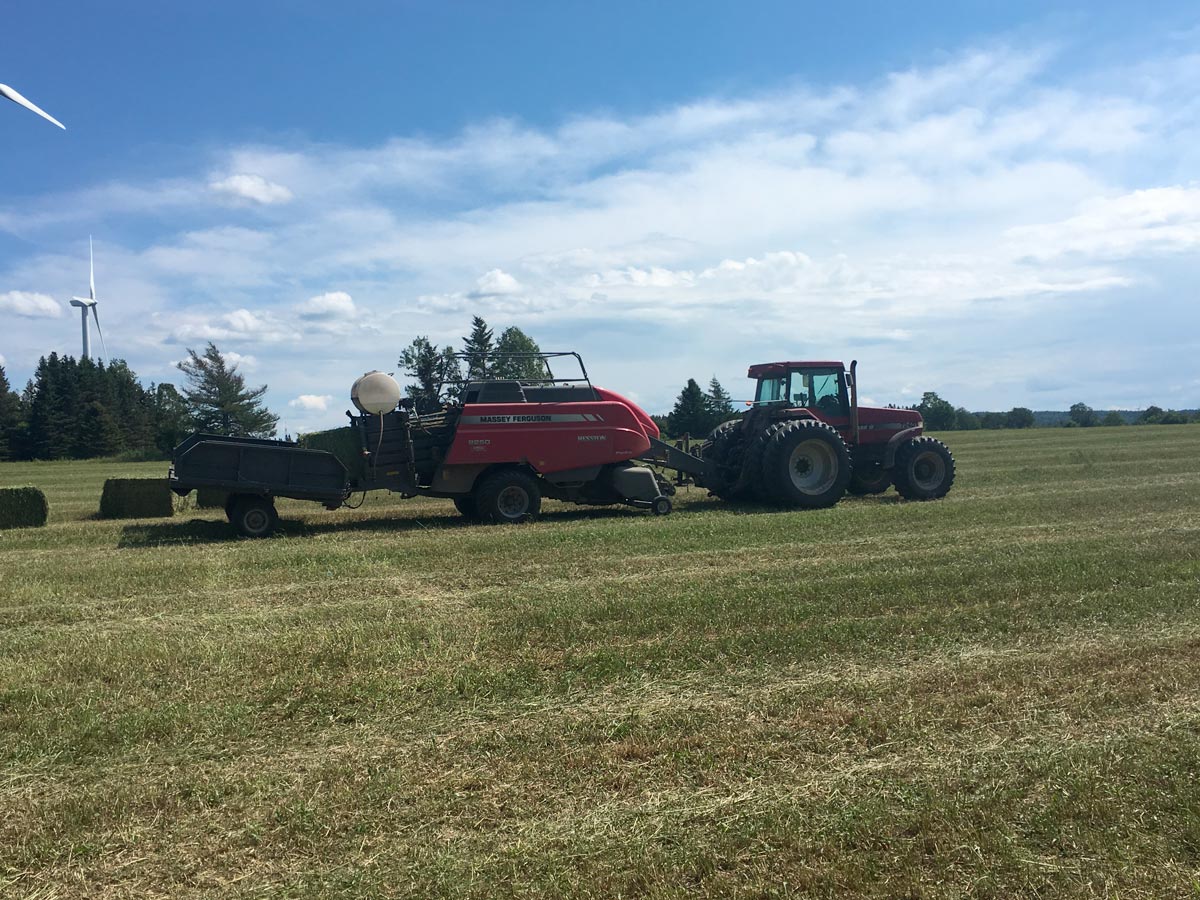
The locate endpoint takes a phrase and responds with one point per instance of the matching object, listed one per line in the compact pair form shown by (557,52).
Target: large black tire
(466,506)
(749,485)
(721,448)
(924,469)
(508,497)
(805,464)
(869,478)
(253,517)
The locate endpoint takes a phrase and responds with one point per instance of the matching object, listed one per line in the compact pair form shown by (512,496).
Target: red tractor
(805,441)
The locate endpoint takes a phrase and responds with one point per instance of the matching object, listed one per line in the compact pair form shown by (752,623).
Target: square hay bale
(23,507)
(211,498)
(342,443)
(136,498)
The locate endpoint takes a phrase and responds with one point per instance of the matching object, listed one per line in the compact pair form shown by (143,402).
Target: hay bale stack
(211,498)
(136,498)
(23,507)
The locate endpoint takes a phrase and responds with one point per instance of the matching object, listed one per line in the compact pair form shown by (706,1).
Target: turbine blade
(15,96)
(91,270)
(95,315)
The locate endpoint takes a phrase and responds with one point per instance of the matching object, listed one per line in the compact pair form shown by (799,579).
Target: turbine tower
(15,96)
(89,302)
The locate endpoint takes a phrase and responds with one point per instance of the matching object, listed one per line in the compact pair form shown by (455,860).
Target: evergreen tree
(691,414)
(1112,418)
(514,340)
(478,347)
(452,376)
(219,400)
(10,419)
(53,408)
(133,406)
(720,404)
(96,428)
(428,367)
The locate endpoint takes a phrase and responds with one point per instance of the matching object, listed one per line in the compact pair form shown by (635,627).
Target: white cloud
(252,187)
(312,402)
(245,362)
(30,304)
(494,283)
(334,304)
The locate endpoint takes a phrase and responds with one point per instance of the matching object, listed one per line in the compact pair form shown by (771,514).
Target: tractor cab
(821,387)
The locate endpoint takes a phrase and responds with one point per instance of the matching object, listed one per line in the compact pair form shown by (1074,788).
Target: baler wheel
(254,517)
(661,506)
(924,469)
(869,478)
(806,464)
(508,497)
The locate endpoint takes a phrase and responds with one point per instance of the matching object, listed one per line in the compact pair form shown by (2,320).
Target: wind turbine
(89,302)
(15,96)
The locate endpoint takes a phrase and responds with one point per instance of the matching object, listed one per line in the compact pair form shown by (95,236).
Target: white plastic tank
(375,393)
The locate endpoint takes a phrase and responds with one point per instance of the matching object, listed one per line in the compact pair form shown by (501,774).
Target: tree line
(82,409)
(941,415)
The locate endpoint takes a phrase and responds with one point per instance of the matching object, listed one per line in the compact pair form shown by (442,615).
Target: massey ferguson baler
(506,444)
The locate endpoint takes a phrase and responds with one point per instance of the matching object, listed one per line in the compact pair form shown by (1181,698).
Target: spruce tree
(219,400)
(478,347)
(691,414)
(10,419)
(720,404)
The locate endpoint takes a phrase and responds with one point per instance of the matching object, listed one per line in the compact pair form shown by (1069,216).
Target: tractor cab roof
(773,369)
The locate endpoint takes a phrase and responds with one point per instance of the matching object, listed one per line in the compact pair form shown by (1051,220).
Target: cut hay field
(995,695)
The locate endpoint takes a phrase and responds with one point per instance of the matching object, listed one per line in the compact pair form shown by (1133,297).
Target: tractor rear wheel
(924,469)
(869,478)
(751,483)
(253,517)
(508,497)
(805,464)
(720,448)
(466,506)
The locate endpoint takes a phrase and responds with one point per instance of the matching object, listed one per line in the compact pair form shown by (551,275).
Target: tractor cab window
(818,390)
(772,389)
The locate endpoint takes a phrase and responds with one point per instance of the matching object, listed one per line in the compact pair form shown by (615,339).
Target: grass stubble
(994,695)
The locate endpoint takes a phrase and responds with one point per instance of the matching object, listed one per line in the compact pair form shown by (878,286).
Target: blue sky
(996,201)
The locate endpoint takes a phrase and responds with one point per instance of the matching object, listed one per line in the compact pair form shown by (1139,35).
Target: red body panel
(551,437)
(876,425)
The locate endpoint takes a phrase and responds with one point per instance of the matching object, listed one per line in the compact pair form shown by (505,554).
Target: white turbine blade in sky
(96,316)
(92,273)
(15,96)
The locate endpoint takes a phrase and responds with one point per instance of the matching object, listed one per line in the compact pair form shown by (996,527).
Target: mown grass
(995,695)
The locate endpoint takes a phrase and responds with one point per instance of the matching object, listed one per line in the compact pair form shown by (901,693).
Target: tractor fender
(894,442)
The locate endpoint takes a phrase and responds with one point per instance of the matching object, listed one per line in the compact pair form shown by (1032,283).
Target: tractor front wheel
(253,517)
(466,506)
(924,469)
(508,497)
(805,464)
